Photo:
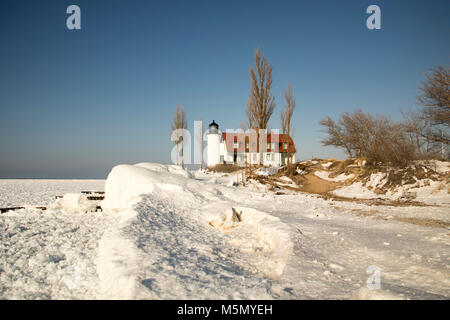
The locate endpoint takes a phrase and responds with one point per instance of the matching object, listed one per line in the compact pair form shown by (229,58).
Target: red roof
(229,138)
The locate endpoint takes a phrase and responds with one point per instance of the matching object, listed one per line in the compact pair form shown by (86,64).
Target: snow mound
(164,168)
(153,166)
(74,202)
(180,171)
(262,238)
(126,183)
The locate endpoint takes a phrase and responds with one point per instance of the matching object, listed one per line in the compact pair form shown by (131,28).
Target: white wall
(252,157)
(213,149)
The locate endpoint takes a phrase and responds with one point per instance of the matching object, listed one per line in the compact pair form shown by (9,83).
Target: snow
(441,167)
(376,180)
(14,193)
(327,165)
(49,254)
(342,177)
(74,202)
(266,171)
(436,193)
(166,233)
(425,190)
(126,183)
(255,231)
(287,179)
(288,182)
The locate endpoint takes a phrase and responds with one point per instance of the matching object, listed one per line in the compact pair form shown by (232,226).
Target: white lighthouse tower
(213,140)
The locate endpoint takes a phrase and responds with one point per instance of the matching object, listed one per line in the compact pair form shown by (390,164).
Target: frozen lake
(42,192)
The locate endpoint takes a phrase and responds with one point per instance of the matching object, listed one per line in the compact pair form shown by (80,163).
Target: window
(235,145)
(285,145)
(268,157)
(246,145)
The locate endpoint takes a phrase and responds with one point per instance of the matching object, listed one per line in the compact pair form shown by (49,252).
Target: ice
(14,193)
(74,202)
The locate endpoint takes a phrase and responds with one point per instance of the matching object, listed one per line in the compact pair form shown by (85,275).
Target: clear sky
(74,103)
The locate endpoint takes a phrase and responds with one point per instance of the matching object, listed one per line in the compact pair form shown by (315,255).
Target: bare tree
(286,116)
(261,102)
(376,138)
(179,122)
(335,135)
(435,97)
(421,135)
(416,128)
(250,111)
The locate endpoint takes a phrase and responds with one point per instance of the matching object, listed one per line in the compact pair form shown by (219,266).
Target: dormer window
(285,146)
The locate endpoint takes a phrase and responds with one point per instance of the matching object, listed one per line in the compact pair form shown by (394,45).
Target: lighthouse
(213,140)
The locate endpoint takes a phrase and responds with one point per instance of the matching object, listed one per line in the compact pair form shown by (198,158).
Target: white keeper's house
(244,148)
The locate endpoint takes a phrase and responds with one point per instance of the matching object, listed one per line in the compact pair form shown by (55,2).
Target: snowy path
(164,247)
(333,248)
(191,259)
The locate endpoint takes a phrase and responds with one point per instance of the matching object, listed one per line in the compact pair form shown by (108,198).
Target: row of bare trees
(261,102)
(422,135)
(373,137)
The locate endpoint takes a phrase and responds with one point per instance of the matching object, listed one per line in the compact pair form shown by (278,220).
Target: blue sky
(75,103)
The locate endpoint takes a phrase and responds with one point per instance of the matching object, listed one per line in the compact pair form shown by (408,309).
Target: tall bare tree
(286,116)
(179,122)
(261,102)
